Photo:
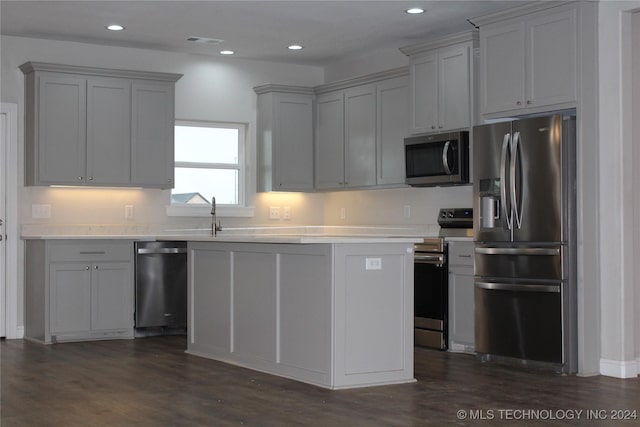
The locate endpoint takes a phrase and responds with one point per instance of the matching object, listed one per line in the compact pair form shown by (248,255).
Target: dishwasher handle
(145,251)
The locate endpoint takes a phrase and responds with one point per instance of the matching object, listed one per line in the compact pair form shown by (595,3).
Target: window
(209,162)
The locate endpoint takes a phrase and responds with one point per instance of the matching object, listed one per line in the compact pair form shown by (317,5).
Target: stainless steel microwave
(441,159)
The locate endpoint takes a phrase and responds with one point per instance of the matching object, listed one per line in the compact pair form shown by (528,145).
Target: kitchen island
(336,312)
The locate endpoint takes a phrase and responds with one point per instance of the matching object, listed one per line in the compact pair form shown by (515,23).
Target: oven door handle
(437,260)
(512,287)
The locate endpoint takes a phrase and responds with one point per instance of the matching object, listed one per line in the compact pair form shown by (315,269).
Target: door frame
(11,221)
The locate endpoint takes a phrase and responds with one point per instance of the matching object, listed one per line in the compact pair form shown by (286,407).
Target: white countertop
(294,235)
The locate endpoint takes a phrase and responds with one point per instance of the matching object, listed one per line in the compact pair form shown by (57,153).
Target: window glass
(208,163)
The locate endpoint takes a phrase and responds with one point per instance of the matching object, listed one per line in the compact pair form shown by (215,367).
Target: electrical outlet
(343,213)
(40,211)
(286,212)
(373,264)
(128,211)
(407,211)
(274,212)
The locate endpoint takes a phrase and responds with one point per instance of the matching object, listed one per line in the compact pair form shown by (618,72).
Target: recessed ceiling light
(227,52)
(295,47)
(114,27)
(414,11)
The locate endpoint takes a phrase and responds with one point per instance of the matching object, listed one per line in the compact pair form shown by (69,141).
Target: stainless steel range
(431,278)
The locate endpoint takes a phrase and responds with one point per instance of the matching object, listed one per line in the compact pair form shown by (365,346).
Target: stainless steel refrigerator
(525,240)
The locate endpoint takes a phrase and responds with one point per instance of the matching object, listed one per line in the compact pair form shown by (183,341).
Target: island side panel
(254,304)
(373,314)
(305,320)
(209,300)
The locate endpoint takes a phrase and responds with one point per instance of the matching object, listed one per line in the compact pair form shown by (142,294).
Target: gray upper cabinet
(152,152)
(98,127)
(108,124)
(360,136)
(59,125)
(285,138)
(528,63)
(442,84)
(392,124)
(360,129)
(329,149)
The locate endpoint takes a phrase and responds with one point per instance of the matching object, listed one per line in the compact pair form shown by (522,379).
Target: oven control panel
(456,218)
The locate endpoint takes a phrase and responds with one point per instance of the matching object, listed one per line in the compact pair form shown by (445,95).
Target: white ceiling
(329,30)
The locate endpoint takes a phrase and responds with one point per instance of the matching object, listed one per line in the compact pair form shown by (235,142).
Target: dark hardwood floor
(152,382)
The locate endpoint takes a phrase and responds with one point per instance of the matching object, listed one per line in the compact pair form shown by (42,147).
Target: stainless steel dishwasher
(161,286)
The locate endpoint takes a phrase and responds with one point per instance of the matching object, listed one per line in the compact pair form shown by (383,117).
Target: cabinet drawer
(461,253)
(103,250)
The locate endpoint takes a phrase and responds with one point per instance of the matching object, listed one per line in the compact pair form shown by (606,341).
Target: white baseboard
(619,368)
(19,332)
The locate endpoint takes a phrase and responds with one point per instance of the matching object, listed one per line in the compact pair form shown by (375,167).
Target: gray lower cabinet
(461,302)
(78,290)
(98,127)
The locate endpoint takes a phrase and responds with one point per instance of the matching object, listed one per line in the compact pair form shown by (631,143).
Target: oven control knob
(450,214)
(443,214)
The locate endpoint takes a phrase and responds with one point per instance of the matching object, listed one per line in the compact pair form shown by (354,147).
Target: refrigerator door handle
(494,286)
(506,207)
(445,157)
(515,157)
(518,251)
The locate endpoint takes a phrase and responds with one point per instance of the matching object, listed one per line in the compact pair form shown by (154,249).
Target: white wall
(371,62)
(617,190)
(386,207)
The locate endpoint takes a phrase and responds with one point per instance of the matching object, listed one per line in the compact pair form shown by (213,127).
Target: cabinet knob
(519,103)
(79,178)
(95,266)
(90,178)
(433,127)
(440,126)
(529,102)
(169,180)
(86,267)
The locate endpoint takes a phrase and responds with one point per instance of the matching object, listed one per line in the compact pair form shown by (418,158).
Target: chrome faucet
(214,226)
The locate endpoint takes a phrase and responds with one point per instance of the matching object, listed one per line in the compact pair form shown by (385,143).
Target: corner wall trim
(620,368)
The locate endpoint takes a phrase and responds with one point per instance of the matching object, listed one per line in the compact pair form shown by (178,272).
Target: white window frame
(223,210)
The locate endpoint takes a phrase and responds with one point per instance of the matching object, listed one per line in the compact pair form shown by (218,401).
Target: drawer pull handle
(464,256)
(92,252)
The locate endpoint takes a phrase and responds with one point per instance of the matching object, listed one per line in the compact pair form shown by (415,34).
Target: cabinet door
(108,132)
(69,298)
(360,136)
(393,113)
(454,110)
(293,143)
(61,130)
(111,296)
(551,60)
(424,93)
(152,133)
(330,141)
(502,67)
(461,309)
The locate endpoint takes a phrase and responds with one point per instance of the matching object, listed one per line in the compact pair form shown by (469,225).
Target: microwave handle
(445,157)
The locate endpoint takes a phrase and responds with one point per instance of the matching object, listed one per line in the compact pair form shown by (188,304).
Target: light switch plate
(274,212)
(286,212)
(40,211)
(128,211)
